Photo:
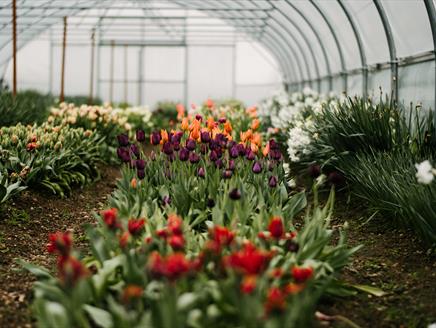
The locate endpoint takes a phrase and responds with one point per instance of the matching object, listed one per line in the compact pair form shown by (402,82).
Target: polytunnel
(217,163)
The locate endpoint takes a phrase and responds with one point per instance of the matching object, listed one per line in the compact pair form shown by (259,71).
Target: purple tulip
(227,174)
(336,178)
(214,144)
(184,154)
(176,145)
(205,136)
(140,164)
(155,138)
(134,149)
(201,172)
(235,194)
(257,167)
(203,149)
(140,135)
(241,149)
(221,139)
(210,203)
(123,139)
(272,182)
(234,152)
(250,155)
(191,144)
(231,144)
(213,156)
(275,154)
(222,120)
(141,174)
(167,148)
(194,158)
(273,144)
(123,154)
(198,117)
(232,165)
(176,137)
(219,163)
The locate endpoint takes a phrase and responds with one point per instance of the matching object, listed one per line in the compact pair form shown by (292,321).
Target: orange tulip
(185,124)
(254,148)
(209,103)
(228,126)
(195,134)
(257,139)
(164,135)
(180,111)
(255,124)
(265,150)
(210,123)
(195,125)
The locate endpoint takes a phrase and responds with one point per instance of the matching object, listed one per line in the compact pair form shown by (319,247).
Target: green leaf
(100,317)
(369,289)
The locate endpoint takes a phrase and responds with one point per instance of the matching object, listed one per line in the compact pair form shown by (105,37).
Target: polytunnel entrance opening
(217,163)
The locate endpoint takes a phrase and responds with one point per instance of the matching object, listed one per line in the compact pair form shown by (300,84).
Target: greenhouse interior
(217,163)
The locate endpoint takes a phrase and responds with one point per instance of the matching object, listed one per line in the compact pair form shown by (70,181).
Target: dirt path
(24,228)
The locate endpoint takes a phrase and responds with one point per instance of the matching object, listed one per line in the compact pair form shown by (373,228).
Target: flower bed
(200,232)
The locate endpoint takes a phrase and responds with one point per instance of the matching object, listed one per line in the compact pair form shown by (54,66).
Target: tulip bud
(272,183)
(194,158)
(191,144)
(201,172)
(257,167)
(219,163)
(140,164)
(210,203)
(167,148)
(140,135)
(250,155)
(314,171)
(155,138)
(205,137)
(235,194)
(123,139)
(227,174)
(232,165)
(234,152)
(184,154)
(276,227)
(141,174)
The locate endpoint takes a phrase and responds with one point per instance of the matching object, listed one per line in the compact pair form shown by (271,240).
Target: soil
(392,259)
(25,225)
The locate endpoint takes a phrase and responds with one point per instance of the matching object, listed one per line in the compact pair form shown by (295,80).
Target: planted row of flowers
(200,232)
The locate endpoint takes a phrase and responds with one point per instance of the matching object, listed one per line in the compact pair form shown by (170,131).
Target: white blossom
(424,172)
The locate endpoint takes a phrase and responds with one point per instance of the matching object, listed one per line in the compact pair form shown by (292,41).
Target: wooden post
(14,47)
(64,45)
(111,74)
(125,74)
(91,78)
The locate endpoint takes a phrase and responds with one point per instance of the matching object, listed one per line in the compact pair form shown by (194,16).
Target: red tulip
(110,218)
(301,274)
(248,284)
(71,270)
(135,227)
(175,224)
(249,260)
(275,301)
(176,242)
(276,228)
(60,242)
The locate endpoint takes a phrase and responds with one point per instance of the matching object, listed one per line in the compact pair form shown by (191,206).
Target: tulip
(123,240)
(249,260)
(155,138)
(205,136)
(276,227)
(134,149)
(184,154)
(232,165)
(71,270)
(272,182)
(314,171)
(275,301)
(273,144)
(176,137)
(241,149)
(123,154)
(300,274)
(135,227)
(213,156)
(227,174)
(123,140)
(235,194)
(250,155)
(166,200)
(275,154)
(248,284)
(132,292)
(141,174)
(255,124)
(221,235)
(140,164)
(335,178)
(257,167)
(191,144)
(234,152)
(185,124)
(210,203)
(31,146)
(167,148)
(198,117)
(140,135)
(175,224)
(203,149)
(209,103)
(214,144)
(194,158)
(292,246)
(222,120)
(219,163)
(201,172)
(110,218)
(60,242)
(176,242)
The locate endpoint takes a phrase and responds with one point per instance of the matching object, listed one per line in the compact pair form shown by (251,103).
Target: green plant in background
(82,100)
(27,107)
(165,114)
(8,189)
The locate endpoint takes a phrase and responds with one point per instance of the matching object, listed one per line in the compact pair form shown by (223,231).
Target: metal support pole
(431,11)
(14,47)
(91,78)
(186,89)
(98,87)
(111,74)
(64,45)
(126,84)
(140,77)
(50,63)
(234,58)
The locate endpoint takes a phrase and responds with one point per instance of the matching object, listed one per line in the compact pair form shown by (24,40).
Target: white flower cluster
(299,139)
(143,111)
(425,172)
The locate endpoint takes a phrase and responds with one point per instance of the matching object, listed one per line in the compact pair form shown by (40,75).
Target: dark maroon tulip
(257,167)
(213,156)
(241,149)
(184,154)
(155,138)
(141,174)
(214,145)
(222,139)
(292,246)
(176,137)
(194,158)
(272,182)
(232,165)
(227,174)
(123,139)
(250,155)
(198,117)
(140,135)
(210,203)
(273,144)
(203,149)
(234,152)
(222,120)
(123,154)
(176,145)
(231,144)
(336,178)
(167,148)
(134,149)
(191,144)
(235,194)
(205,136)
(219,152)
(201,172)
(314,170)
(219,163)
(140,164)
(275,154)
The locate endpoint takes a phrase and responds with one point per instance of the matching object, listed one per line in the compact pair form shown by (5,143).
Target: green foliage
(7,189)
(27,108)
(82,100)
(165,114)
